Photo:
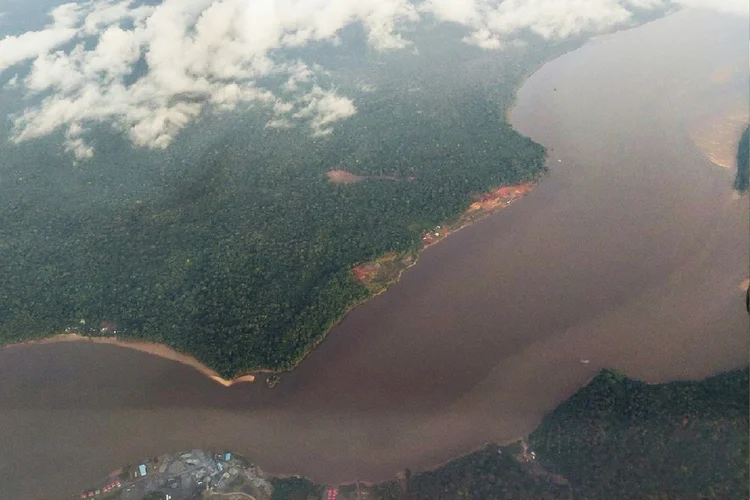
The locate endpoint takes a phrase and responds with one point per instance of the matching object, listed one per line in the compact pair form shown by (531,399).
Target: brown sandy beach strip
(147,347)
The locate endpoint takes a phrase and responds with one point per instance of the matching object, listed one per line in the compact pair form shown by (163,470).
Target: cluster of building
(183,476)
(111,486)
(87,328)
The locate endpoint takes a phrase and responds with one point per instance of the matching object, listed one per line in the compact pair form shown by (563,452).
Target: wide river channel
(629,255)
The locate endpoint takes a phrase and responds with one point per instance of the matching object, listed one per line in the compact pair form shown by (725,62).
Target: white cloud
(75,143)
(12,83)
(318,107)
(192,55)
(157,127)
(16,49)
(494,23)
(323,108)
(198,53)
(299,73)
(740,7)
(66,15)
(484,38)
(466,12)
(103,14)
(280,123)
(381,22)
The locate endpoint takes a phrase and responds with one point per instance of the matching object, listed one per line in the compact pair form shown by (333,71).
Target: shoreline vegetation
(376,275)
(194,298)
(379,274)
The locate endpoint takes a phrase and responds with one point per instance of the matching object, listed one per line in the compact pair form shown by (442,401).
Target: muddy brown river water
(630,255)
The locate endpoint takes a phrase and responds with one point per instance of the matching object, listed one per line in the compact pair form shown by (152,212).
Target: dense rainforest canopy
(233,245)
(625,439)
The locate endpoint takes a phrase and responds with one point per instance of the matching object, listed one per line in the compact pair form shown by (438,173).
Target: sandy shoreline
(152,348)
(488,204)
(336,176)
(720,145)
(718,135)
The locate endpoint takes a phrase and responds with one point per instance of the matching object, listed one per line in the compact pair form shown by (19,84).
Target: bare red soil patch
(365,271)
(379,273)
(343,177)
(340,176)
(500,196)
(484,203)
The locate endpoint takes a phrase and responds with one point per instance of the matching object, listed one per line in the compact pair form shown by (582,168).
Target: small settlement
(204,475)
(184,476)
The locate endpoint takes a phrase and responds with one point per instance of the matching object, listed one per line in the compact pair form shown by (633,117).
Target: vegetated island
(616,438)
(742,179)
(741,185)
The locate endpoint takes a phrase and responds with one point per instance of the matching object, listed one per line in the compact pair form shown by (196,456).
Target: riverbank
(377,275)
(718,136)
(152,348)
(479,341)
(163,313)
(561,459)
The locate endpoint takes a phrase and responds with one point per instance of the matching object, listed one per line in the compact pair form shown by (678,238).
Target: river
(630,255)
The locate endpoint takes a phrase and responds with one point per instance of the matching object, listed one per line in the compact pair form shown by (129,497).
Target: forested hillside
(623,439)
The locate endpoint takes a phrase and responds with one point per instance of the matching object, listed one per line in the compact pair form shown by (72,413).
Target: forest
(232,245)
(240,254)
(625,439)
(742,179)
(615,439)
(295,488)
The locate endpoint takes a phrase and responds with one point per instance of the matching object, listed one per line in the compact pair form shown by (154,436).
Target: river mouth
(628,256)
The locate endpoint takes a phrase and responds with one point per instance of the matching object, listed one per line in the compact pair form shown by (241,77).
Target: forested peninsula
(238,244)
(244,259)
